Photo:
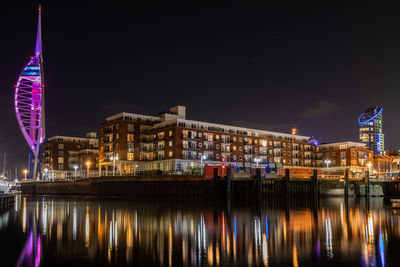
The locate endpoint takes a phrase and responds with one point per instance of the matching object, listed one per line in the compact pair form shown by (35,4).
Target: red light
(43,85)
(223,167)
(31,57)
(40,9)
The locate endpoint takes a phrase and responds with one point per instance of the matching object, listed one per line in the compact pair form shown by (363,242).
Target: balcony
(108,130)
(248,152)
(211,149)
(160,148)
(189,148)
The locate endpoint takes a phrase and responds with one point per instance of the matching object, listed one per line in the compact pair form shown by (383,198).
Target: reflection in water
(128,233)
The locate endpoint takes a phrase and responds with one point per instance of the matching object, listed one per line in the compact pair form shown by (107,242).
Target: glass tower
(371,129)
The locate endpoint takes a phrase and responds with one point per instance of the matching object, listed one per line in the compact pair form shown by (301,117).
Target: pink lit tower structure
(29,105)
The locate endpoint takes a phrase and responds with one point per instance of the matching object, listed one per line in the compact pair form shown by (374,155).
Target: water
(54,231)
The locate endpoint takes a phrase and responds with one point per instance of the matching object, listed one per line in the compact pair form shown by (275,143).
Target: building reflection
(121,233)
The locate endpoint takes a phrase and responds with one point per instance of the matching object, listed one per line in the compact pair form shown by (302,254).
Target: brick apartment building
(352,156)
(169,142)
(62,153)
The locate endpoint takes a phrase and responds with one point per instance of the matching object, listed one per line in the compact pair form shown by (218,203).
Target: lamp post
(257,160)
(327,162)
(88,165)
(25,171)
(369,164)
(114,158)
(203,157)
(45,173)
(75,168)
(293,131)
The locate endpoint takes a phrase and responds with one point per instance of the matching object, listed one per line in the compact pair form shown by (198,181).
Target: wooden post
(346,183)
(215,173)
(287,181)
(228,181)
(315,183)
(258,177)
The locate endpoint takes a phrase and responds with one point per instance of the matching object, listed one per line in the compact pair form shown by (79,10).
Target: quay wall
(196,187)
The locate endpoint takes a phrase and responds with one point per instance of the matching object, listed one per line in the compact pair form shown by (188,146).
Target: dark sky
(266,66)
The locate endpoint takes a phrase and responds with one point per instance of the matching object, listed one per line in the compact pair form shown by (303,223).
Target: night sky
(266,66)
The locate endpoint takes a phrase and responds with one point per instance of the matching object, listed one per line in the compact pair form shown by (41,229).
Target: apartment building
(62,154)
(169,142)
(353,156)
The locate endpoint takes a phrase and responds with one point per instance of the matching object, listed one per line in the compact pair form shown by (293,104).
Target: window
(288,153)
(130,127)
(170,133)
(170,153)
(234,157)
(255,150)
(200,144)
(60,146)
(240,139)
(284,153)
(334,154)
(240,158)
(283,144)
(354,153)
(129,156)
(117,136)
(234,148)
(217,137)
(129,137)
(240,148)
(234,139)
(61,160)
(217,146)
(170,143)
(284,161)
(217,156)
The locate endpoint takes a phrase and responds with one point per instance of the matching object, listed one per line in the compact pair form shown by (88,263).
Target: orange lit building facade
(130,143)
(352,156)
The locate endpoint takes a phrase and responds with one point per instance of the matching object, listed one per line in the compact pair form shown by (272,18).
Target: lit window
(129,156)
(234,148)
(170,133)
(170,153)
(129,137)
(170,143)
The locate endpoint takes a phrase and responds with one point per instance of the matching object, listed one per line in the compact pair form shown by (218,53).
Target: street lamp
(257,160)
(114,158)
(25,171)
(203,157)
(45,173)
(293,131)
(369,164)
(88,165)
(75,168)
(327,162)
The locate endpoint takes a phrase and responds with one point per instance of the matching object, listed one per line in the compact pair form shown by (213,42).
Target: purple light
(29,99)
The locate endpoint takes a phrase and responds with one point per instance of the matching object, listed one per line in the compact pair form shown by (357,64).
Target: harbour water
(59,231)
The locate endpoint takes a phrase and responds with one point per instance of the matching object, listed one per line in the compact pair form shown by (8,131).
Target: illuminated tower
(29,103)
(371,129)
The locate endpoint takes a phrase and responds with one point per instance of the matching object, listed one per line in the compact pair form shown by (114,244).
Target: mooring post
(228,181)
(215,173)
(346,183)
(367,183)
(287,181)
(315,183)
(258,178)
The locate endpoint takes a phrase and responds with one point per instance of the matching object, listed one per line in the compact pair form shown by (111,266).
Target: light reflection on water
(113,232)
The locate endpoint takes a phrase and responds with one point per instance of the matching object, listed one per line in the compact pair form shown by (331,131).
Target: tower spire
(38,49)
